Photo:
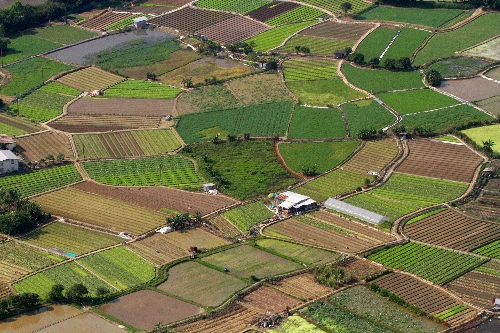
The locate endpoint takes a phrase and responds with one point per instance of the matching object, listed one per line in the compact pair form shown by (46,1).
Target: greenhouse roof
(354,211)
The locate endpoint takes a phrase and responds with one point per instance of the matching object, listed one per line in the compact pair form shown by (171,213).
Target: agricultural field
(446,120)
(102,123)
(119,106)
(490,105)
(40,106)
(61,89)
(26,75)
(174,171)
(204,68)
(375,43)
(460,66)
(339,31)
(101,22)
(453,230)
(301,70)
(491,250)
(38,146)
(142,89)
(246,168)
(297,324)
(377,80)
(238,6)
(304,254)
(374,156)
(472,89)
(190,19)
(14,126)
(403,194)
(271,10)
(160,198)
(128,21)
(485,50)
(34,182)
(427,17)
(89,79)
(366,114)
(415,101)
(273,38)
(323,92)
(431,158)
(302,13)
(259,89)
(303,286)
(323,155)
(476,288)
(66,274)
(26,46)
(207,98)
(64,34)
(316,123)
(263,120)
(485,207)
(119,267)
(245,261)
(316,45)
(267,300)
(246,216)
(360,269)
(87,320)
(443,45)
(100,212)
(70,238)
(335,6)
(234,29)
(485,133)
(220,224)
(406,43)
(200,284)
(434,264)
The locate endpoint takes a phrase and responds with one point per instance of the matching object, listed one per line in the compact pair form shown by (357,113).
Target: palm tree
(487,145)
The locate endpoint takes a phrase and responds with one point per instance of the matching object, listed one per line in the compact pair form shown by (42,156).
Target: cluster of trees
(19,215)
(18,303)
(76,294)
(241,47)
(209,47)
(332,276)
(302,49)
(403,63)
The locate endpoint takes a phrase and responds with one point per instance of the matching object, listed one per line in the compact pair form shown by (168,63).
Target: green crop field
(317,45)
(445,44)
(305,254)
(142,89)
(403,194)
(273,38)
(366,114)
(120,267)
(27,75)
(448,138)
(485,133)
(173,171)
(246,216)
(374,80)
(434,264)
(296,324)
(335,5)
(61,89)
(451,311)
(445,120)
(428,17)
(302,13)
(324,155)
(331,184)
(375,43)
(198,283)
(460,66)
(414,101)
(323,92)
(244,261)
(316,123)
(241,169)
(41,105)
(239,6)
(262,120)
(26,46)
(70,238)
(300,70)
(491,250)
(13,126)
(64,34)
(23,256)
(30,183)
(406,44)
(67,274)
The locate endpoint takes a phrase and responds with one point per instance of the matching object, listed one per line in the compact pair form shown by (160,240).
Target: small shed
(140,22)
(497,304)
(488,172)
(262,64)
(340,54)
(354,211)
(9,162)
(7,142)
(208,187)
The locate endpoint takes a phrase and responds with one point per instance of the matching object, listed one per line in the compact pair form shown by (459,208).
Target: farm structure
(121,107)
(37,146)
(7,142)
(9,162)
(102,123)
(354,211)
(293,203)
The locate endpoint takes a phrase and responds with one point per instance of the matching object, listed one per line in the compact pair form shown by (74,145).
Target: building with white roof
(293,203)
(355,211)
(9,162)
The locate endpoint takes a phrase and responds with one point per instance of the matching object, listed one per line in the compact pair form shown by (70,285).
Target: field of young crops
(13,126)
(26,46)
(41,106)
(366,114)
(125,22)
(61,89)
(173,171)
(323,92)
(323,155)
(238,6)
(434,264)
(40,145)
(374,156)
(485,133)
(335,5)
(317,45)
(246,216)
(34,182)
(70,238)
(305,254)
(142,89)
(381,80)
(491,250)
(64,34)
(404,193)
(428,17)
(301,70)
(443,45)
(302,13)
(102,123)
(316,123)
(120,267)
(375,43)
(406,43)
(271,39)
(414,101)
(90,78)
(27,75)
(262,120)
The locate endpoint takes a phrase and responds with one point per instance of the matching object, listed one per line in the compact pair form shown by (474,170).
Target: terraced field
(103,21)
(302,13)
(366,114)
(335,5)
(301,70)
(14,126)
(271,39)
(89,79)
(37,146)
(40,106)
(190,19)
(238,6)
(142,89)
(415,101)
(316,45)
(316,123)
(102,123)
(271,10)
(476,287)
(246,216)
(234,29)
(374,156)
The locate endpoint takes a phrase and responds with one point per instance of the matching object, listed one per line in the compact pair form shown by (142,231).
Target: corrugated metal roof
(355,211)
(7,155)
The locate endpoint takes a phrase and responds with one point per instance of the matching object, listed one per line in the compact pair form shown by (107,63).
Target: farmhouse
(294,203)
(355,211)
(7,142)
(9,162)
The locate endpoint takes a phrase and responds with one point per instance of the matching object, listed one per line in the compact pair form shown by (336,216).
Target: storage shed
(140,22)
(293,203)
(9,162)
(208,187)
(354,211)
(7,141)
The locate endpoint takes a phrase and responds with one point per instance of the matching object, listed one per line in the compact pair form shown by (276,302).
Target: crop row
(302,13)
(336,5)
(123,23)
(271,39)
(491,250)
(40,106)
(244,217)
(142,89)
(89,79)
(316,45)
(58,88)
(238,6)
(299,70)
(367,114)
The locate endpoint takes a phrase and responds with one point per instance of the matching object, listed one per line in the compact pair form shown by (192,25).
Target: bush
(384,292)
(433,77)
(374,287)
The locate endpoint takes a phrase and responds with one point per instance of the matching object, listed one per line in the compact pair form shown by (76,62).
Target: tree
(272,63)
(297,49)
(365,133)
(56,293)
(404,63)
(151,76)
(187,82)
(487,146)
(2,103)
(346,6)
(348,50)
(60,157)
(433,77)
(77,293)
(216,139)
(305,50)
(367,182)
(101,291)
(390,64)
(356,58)
(3,44)
(50,158)
(374,62)
(310,170)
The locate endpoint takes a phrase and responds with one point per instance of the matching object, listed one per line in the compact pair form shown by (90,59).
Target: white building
(140,22)
(9,143)
(9,162)
(292,202)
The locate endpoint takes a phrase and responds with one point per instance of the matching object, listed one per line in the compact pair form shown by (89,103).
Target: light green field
(414,101)
(271,39)
(316,123)
(485,133)
(323,92)
(296,324)
(246,216)
(305,254)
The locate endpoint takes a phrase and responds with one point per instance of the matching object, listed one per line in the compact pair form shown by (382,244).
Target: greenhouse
(354,211)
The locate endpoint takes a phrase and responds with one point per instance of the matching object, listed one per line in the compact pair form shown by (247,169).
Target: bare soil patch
(491,105)
(476,288)
(122,106)
(102,21)
(37,146)
(144,309)
(84,323)
(335,30)
(102,123)
(303,286)
(35,320)
(474,89)
(234,29)
(494,73)
(266,299)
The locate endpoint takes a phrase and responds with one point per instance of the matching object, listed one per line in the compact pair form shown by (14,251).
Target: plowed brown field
(266,299)
(374,156)
(190,19)
(37,146)
(122,107)
(335,30)
(303,286)
(234,29)
(102,21)
(271,10)
(102,123)
(476,288)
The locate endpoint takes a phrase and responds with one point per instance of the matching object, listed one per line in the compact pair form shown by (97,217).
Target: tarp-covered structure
(355,211)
